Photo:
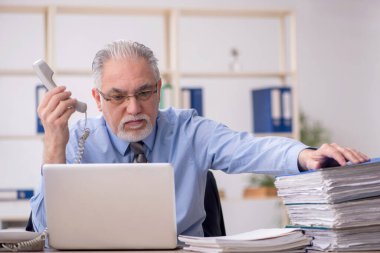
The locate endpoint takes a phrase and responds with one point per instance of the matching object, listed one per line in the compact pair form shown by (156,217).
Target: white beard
(134,135)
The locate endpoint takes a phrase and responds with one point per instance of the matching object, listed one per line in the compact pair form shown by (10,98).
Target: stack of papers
(358,239)
(357,213)
(331,185)
(339,207)
(262,240)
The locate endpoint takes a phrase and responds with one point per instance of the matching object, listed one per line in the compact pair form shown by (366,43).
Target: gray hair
(119,50)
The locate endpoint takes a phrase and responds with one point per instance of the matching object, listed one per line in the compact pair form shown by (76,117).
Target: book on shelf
(261,240)
(15,194)
(272,110)
(339,207)
(193,98)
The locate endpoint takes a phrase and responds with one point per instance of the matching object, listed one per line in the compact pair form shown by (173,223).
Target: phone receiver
(45,74)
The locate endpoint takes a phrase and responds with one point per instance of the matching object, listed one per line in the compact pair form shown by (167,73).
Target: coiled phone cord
(82,140)
(36,244)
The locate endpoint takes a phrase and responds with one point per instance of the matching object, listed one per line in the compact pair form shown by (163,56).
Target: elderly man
(127,93)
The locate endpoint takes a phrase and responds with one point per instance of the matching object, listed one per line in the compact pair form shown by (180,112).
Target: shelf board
(22,9)
(221,74)
(237,74)
(62,9)
(21,137)
(236,13)
(14,210)
(73,72)
(63,72)
(119,10)
(84,72)
(16,72)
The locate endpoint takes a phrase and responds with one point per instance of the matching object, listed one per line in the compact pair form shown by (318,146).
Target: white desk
(119,251)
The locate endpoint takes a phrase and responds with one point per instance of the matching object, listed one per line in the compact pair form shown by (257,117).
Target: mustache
(130,118)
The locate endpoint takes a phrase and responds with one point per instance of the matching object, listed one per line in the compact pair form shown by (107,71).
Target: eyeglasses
(119,98)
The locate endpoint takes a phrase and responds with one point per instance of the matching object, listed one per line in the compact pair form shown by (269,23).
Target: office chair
(29,225)
(213,225)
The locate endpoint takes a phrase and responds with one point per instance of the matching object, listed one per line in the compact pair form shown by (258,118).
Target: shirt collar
(122,145)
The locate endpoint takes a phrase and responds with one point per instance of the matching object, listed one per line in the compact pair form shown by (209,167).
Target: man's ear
(97,98)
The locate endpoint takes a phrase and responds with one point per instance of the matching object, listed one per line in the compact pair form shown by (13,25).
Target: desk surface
(118,251)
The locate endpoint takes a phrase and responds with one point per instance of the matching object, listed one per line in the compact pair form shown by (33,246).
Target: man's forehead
(127,74)
(138,88)
(127,62)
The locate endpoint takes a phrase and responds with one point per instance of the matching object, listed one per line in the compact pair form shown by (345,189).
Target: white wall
(339,69)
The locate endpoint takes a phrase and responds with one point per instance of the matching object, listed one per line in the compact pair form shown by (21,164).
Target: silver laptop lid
(110,206)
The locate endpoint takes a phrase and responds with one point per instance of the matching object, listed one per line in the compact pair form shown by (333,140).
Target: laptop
(110,206)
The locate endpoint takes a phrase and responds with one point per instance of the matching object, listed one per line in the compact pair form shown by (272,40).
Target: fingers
(56,107)
(62,112)
(49,95)
(54,111)
(351,155)
(341,155)
(332,151)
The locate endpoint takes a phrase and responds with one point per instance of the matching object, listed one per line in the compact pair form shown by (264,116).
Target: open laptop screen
(110,206)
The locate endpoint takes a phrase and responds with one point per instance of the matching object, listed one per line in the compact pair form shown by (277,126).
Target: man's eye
(144,94)
(117,97)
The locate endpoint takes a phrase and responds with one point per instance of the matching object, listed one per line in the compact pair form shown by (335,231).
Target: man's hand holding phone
(55,109)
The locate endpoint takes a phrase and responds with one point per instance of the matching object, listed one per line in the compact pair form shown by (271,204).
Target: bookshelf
(171,21)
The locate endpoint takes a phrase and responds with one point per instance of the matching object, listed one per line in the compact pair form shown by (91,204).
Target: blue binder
(193,98)
(272,110)
(40,90)
(15,194)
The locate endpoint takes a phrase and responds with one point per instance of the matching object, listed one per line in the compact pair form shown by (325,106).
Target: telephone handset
(45,74)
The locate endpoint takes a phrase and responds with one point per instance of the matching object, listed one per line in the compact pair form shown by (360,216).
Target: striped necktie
(138,150)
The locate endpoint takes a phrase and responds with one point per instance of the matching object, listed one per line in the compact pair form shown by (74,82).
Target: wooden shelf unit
(172,72)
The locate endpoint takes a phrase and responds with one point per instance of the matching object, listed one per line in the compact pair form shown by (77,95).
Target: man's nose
(133,106)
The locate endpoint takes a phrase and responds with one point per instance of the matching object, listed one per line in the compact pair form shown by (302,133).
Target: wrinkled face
(128,99)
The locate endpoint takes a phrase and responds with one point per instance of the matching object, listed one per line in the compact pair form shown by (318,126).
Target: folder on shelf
(272,110)
(40,92)
(15,194)
(193,98)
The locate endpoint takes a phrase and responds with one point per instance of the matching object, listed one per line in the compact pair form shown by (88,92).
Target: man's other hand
(329,155)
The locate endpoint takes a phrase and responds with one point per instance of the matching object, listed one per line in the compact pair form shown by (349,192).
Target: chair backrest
(29,225)
(213,225)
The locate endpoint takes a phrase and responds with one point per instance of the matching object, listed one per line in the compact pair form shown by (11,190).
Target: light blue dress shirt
(192,144)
